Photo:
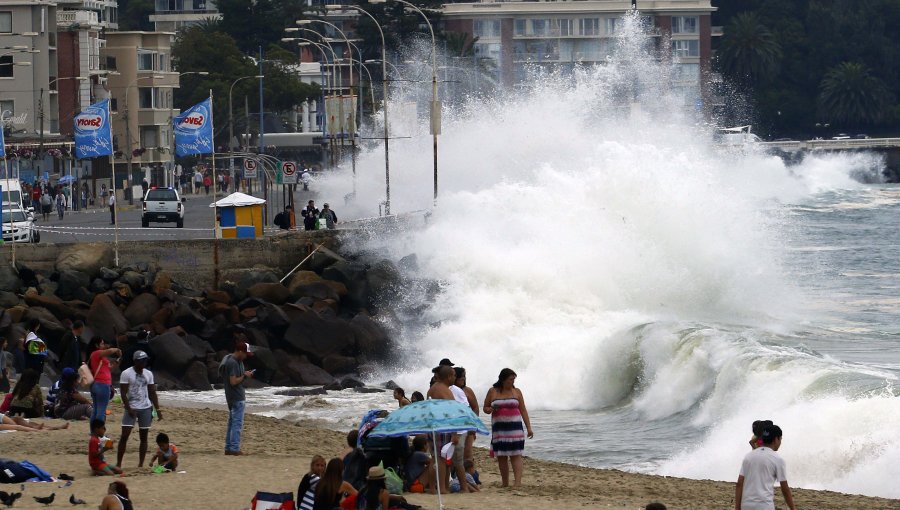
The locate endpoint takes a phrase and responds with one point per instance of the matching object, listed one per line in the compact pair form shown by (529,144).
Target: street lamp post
(231,117)
(324,78)
(435,123)
(171,172)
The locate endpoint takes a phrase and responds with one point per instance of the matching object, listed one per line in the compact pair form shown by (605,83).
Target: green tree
(135,15)
(749,49)
(851,95)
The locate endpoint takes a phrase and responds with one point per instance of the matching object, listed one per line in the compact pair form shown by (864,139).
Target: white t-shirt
(762,468)
(138,397)
(459,395)
(112,199)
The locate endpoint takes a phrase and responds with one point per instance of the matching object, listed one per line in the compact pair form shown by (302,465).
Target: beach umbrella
(430,417)
(65,179)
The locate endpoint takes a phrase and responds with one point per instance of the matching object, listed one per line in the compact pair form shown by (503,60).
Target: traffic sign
(289,172)
(250,166)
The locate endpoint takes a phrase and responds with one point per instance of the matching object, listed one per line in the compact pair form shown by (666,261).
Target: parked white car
(18,226)
(162,205)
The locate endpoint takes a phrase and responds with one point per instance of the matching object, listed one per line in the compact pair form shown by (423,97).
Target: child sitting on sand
(166,453)
(469,465)
(419,467)
(96,447)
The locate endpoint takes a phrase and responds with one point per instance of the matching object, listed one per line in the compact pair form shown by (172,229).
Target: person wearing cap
(329,216)
(310,215)
(139,400)
(761,469)
(233,375)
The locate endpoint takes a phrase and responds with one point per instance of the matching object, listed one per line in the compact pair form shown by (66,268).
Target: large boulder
(167,382)
(304,372)
(272,317)
(372,340)
(141,309)
(161,282)
(272,292)
(171,352)
(9,279)
(197,377)
(105,318)
(8,299)
(99,285)
(318,337)
(257,274)
(88,258)
(316,291)
(55,305)
(336,364)
(133,279)
(302,278)
(201,348)
(383,279)
(187,316)
(344,271)
(70,281)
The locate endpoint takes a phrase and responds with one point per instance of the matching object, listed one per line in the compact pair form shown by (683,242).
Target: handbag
(85,377)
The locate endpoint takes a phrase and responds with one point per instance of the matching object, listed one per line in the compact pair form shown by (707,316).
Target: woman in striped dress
(509,425)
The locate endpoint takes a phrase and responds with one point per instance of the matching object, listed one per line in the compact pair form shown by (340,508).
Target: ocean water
(654,293)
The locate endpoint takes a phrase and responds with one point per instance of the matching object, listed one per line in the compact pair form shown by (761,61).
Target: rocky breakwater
(321,327)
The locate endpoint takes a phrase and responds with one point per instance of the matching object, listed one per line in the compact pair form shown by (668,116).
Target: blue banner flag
(93,131)
(194,130)
(2,143)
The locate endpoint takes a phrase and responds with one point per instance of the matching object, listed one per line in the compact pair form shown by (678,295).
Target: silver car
(18,227)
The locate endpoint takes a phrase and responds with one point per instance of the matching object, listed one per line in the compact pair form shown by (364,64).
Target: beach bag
(85,377)
(273,501)
(318,224)
(392,481)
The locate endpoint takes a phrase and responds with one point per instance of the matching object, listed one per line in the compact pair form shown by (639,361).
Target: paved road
(93,224)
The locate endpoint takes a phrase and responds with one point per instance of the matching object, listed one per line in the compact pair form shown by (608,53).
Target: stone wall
(193,262)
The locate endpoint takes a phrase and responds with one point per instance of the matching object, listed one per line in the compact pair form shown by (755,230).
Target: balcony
(68,18)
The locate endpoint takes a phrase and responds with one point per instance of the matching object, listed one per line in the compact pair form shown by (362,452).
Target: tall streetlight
(435,123)
(129,155)
(231,117)
(171,172)
(321,47)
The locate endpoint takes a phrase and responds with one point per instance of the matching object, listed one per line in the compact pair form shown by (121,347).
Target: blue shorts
(144,418)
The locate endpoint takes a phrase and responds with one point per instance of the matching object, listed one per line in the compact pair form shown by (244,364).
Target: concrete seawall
(192,262)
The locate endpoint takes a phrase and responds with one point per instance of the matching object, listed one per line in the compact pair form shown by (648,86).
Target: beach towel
(18,472)
(273,501)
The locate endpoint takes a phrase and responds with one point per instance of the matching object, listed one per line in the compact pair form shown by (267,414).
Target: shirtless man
(440,390)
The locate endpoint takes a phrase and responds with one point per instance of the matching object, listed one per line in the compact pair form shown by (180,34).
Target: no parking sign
(250,166)
(289,172)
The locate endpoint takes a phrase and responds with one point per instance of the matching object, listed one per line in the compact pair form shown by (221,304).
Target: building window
(199,5)
(145,97)
(686,73)
(684,25)
(6,66)
(7,108)
(113,104)
(566,27)
(145,60)
(590,26)
(163,62)
(519,27)
(487,50)
(149,137)
(486,28)
(688,48)
(6,22)
(539,27)
(611,25)
(111,64)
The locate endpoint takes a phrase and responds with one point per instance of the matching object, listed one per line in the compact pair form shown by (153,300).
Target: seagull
(45,501)
(76,501)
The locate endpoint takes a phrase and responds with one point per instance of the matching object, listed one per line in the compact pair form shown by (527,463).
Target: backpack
(278,220)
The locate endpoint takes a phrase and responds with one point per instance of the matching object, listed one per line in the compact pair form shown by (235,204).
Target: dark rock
(172,352)
(168,382)
(55,305)
(344,271)
(326,308)
(337,364)
(254,384)
(391,385)
(372,340)
(161,320)
(109,274)
(303,278)
(141,309)
(383,279)
(321,260)
(8,299)
(105,319)
(235,292)
(265,363)
(366,389)
(83,295)
(9,279)
(133,279)
(218,296)
(99,285)
(217,330)
(257,337)
(196,377)
(88,258)
(201,348)
(316,291)
(272,292)
(334,386)
(250,302)
(317,336)
(187,317)
(69,280)
(304,372)
(122,290)
(257,274)
(352,382)
(161,282)
(26,274)
(301,392)
(47,287)
(409,263)
(272,317)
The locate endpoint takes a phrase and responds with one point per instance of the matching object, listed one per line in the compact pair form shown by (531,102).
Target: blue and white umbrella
(65,179)
(430,417)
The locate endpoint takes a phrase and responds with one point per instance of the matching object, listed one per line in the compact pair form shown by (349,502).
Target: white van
(12,194)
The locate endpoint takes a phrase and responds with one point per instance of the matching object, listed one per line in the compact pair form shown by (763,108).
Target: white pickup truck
(162,205)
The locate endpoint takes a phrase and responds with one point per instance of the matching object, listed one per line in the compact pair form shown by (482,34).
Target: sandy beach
(281,451)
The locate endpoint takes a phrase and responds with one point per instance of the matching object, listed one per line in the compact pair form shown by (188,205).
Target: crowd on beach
(372,472)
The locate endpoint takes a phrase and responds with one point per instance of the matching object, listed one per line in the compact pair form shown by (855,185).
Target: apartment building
(174,15)
(141,85)
(516,36)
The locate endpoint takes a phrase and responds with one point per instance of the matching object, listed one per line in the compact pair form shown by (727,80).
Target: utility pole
(41,114)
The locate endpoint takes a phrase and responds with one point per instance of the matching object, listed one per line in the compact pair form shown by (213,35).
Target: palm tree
(749,49)
(850,94)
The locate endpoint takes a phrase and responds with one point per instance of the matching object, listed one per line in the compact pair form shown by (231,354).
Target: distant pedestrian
(310,216)
(329,216)
(35,348)
(207,182)
(761,469)
(104,195)
(46,205)
(305,178)
(84,196)
(198,181)
(72,355)
(112,209)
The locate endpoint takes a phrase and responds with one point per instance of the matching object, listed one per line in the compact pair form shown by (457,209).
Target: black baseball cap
(446,361)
